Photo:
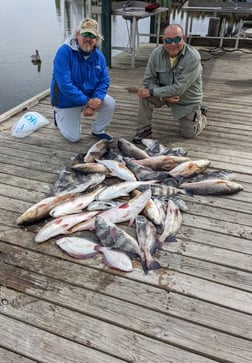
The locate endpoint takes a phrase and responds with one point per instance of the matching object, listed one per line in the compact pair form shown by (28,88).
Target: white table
(136,14)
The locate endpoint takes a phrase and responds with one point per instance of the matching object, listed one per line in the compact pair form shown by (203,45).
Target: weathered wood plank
(89,331)
(7,356)
(123,314)
(172,279)
(45,347)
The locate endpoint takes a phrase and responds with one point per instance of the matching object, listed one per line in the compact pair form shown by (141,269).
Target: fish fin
(112,231)
(124,205)
(133,255)
(131,221)
(155,247)
(50,194)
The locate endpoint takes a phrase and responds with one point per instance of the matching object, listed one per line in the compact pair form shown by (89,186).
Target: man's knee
(70,136)
(187,133)
(192,124)
(187,126)
(109,103)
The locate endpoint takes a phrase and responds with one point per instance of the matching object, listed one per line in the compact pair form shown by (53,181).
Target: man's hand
(94,103)
(88,111)
(171,99)
(144,92)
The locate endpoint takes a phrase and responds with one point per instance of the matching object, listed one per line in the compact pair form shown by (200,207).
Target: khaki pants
(190,126)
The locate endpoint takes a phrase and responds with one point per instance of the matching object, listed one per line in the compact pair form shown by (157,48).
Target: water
(44,24)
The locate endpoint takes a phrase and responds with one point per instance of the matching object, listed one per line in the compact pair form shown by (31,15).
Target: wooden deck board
(197,307)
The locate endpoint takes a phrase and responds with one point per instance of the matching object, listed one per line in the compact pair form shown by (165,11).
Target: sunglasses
(175,40)
(88,35)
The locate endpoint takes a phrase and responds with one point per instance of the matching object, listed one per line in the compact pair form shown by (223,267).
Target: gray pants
(68,119)
(190,126)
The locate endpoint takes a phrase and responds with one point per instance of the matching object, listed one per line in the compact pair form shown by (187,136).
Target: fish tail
(153,265)
(170,239)
(189,192)
(179,179)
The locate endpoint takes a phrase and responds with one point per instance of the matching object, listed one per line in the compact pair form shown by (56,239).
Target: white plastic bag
(28,123)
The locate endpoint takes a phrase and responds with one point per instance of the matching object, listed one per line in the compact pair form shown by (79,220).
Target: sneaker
(103,136)
(137,139)
(204,110)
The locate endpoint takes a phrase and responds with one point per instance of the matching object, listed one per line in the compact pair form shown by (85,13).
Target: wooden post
(166,4)
(213,27)
(106,30)
(152,26)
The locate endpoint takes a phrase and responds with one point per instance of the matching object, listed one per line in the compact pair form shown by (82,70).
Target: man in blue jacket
(173,78)
(80,82)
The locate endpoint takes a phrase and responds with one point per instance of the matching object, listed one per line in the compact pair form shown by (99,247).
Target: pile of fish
(106,188)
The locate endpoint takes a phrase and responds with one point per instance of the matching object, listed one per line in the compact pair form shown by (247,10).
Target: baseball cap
(89,26)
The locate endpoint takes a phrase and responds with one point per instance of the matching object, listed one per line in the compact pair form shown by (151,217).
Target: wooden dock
(197,308)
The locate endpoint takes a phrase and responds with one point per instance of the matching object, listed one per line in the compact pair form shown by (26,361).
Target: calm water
(44,24)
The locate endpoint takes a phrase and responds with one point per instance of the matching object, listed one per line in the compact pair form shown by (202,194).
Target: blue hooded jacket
(77,78)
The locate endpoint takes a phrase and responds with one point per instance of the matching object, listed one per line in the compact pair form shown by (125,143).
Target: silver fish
(131,150)
(144,173)
(189,168)
(212,187)
(151,210)
(118,169)
(96,151)
(162,209)
(102,205)
(88,181)
(181,204)
(75,204)
(159,190)
(89,168)
(41,209)
(113,154)
(115,259)
(78,247)
(217,174)
(162,162)
(178,151)
(67,179)
(124,212)
(146,235)
(61,225)
(172,223)
(153,147)
(111,235)
(120,189)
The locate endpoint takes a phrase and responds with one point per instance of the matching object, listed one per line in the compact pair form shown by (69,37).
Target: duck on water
(35,58)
